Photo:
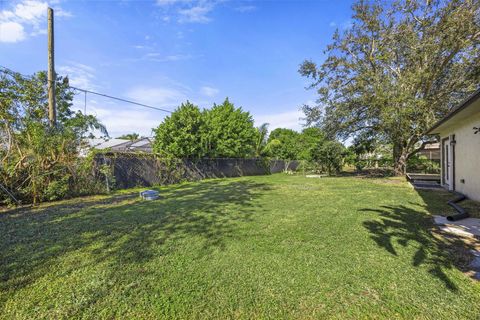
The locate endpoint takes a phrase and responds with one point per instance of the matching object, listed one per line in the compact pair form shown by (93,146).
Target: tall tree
(310,139)
(229,131)
(222,131)
(399,68)
(180,134)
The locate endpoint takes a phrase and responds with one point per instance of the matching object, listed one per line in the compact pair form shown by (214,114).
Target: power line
(97,93)
(119,99)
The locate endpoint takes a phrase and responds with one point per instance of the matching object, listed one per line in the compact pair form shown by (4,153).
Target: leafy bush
(422,164)
(284,144)
(180,134)
(329,156)
(57,189)
(38,161)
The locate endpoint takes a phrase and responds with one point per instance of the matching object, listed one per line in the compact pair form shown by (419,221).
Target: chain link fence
(141,170)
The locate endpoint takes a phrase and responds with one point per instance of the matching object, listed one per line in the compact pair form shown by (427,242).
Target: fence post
(106,175)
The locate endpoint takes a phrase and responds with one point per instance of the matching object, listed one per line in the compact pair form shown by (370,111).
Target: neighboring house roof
(142,145)
(102,144)
(142,142)
(122,145)
(466,104)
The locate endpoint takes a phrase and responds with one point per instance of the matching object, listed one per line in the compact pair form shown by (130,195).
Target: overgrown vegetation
(40,162)
(399,68)
(318,154)
(366,152)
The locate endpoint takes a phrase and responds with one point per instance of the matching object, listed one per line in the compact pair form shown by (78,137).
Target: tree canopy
(180,134)
(284,144)
(311,145)
(399,68)
(229,132)
(309,141)
(222,131)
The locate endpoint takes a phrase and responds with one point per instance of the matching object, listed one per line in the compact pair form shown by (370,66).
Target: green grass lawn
(254,247)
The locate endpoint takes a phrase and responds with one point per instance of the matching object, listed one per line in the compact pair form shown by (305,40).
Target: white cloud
(11,32)
(121,120)
(79,75)
(188,11)
(176,57)
(245,8)
(31,11)
(209,91)
(289,120)
(171,2)
(347,24)
(194,14)
(82,77)
(118,117)
(38,31)
(6,15)
(59,12)
(152,55)
(158,97)
(26,17)
(158,57)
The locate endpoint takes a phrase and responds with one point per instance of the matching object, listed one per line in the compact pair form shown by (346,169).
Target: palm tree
(261,142)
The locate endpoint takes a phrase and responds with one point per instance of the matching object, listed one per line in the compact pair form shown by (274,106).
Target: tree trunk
(400,157)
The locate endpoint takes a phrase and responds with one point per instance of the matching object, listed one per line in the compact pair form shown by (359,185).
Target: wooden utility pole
(52,114)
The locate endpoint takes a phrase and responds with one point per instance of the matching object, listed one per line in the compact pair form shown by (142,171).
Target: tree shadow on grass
(124,230)
(405,226)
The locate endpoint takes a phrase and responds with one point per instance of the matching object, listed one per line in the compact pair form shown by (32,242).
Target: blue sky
(167,51)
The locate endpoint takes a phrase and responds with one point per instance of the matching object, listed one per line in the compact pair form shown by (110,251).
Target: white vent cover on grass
(149,195)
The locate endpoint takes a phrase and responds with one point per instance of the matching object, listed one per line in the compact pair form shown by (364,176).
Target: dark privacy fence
(131,170)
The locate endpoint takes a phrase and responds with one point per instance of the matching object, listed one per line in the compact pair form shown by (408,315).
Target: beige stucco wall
(467,155)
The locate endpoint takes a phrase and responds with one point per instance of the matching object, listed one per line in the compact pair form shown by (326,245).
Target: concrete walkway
(469,227)
(475,264)
(424,181)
